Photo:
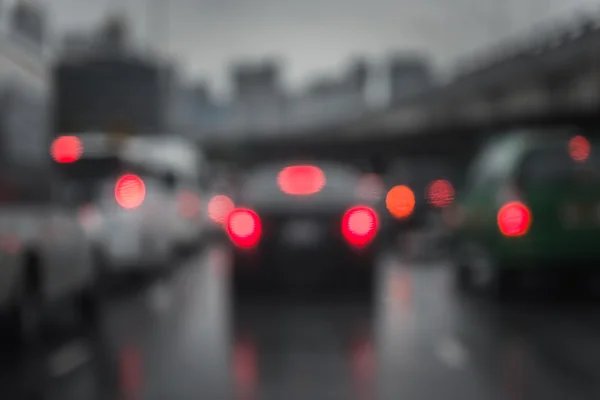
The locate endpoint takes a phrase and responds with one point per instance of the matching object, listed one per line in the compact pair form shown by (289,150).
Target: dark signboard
(108,95)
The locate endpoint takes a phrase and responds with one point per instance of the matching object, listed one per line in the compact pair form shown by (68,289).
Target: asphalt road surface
(181,339)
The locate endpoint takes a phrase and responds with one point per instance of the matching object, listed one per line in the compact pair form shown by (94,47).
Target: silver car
(45,257)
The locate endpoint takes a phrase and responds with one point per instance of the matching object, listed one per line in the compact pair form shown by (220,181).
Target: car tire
(475,271)
(105,278)
(28,317)
(462,278)
(88,302)
(502,286)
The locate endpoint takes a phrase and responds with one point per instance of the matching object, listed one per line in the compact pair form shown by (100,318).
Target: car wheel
(489,277)
(87,303)
(28,313)
(462,278)
(104,277)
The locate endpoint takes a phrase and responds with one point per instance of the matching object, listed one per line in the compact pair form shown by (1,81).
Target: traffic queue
(107,211)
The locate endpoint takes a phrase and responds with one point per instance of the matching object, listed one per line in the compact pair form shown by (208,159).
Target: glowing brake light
(400,201)
(514,219)
(301,180)
(359,225)
(244,228)
(440,193)
(579,148)
(66,149)
(130,191)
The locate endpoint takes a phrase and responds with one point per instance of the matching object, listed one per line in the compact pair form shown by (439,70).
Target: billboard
(109,94)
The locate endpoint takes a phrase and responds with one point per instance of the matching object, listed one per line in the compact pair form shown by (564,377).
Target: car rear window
(261,183)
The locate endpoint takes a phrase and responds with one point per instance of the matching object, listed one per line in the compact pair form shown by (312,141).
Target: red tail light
(301,180)
(359,225)
(514,219)
(440,193)
(244,228)
(130,191)
(579,148)
(400,201)
(66,149)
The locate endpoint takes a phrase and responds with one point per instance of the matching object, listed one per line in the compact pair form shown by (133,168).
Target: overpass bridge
(551,77)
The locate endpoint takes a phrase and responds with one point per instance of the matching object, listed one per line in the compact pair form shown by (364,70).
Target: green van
(530,210)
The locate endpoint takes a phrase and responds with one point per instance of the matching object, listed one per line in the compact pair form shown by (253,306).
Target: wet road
(180,339)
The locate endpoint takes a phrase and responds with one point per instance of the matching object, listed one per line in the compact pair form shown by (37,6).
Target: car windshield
(555,164)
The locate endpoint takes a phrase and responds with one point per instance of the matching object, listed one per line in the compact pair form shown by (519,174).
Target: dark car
(530,211)
(303,226)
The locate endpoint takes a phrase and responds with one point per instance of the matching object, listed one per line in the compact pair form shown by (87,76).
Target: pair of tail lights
(400,200)
(359,226)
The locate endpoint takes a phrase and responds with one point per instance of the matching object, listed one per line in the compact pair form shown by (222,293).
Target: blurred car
(127,198)
(418,190)
(303,225)
(46,259)
(531,210)
(186,192)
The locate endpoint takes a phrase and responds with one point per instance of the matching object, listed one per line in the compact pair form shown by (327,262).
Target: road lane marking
(451,353)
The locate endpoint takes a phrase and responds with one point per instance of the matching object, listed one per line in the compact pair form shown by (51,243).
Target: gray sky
(316,36)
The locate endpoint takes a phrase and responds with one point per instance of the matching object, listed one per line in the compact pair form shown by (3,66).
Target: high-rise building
(104,83)
(114,34)
(256,81)
(409,75)
(258,95)
(24,88)
(358,75)
(77,43)
(29,20)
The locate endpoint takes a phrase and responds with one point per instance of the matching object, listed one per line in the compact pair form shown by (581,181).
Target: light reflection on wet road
(180,339)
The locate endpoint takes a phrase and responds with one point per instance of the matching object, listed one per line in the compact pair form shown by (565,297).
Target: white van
(125,200)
